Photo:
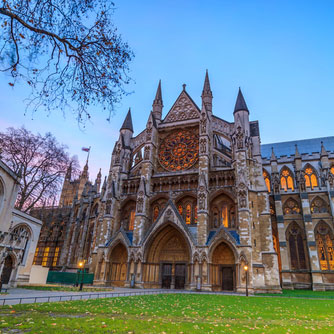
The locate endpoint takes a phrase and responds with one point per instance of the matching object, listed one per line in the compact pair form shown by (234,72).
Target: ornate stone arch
(267,179)
(223,211)
(311,176)
(291,206)
(325,242)
(319,205)
(287,178)
(2,193)
(228,242)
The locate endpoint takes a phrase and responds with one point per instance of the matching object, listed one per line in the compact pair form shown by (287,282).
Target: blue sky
(280,52)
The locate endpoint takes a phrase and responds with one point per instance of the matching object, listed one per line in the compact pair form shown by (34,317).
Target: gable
(183,109)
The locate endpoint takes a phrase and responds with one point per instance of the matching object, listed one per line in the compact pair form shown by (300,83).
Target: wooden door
(180,276)
(227,279)
(7,270)
(166,275)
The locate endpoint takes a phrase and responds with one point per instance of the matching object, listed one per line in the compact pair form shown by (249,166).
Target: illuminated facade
(192,199)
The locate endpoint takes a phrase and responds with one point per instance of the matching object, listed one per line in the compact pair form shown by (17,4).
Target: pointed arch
(287,179)
(118,262)
(311,179)
(291,207)
(187,208)
(297,246)
(318,205)
(325,243)
(266,177)
(222,212)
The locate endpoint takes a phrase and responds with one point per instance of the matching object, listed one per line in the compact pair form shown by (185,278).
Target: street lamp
(246,270)
(81,265)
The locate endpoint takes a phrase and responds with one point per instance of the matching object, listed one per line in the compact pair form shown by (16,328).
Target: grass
(63,288)
(172,313)
(303,294)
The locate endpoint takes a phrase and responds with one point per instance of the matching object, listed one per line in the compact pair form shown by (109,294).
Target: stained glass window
(332,170)
(188,214)
(155,213)
(286,180)
(180,210)
(291,207)
(224,216)
(55,257)
(310,178)
(132,220)
(179,150)
(266,179)
(36,255)
(318,205)
(325,247)
(195,215)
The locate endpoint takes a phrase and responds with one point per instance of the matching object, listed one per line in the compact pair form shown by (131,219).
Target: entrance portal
(169,253)
(223,268)
(7,270)
(118,265)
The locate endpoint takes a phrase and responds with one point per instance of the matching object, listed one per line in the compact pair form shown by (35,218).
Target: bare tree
(68,51)
(40,161)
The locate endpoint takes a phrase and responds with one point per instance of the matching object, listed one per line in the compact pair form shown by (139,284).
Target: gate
(7,270)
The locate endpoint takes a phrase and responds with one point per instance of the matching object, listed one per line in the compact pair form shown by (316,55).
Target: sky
(281,54)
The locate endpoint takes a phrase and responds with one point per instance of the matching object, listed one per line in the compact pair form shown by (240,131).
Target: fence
(69,278)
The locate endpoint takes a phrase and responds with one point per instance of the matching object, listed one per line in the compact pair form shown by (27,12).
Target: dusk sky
(281,54)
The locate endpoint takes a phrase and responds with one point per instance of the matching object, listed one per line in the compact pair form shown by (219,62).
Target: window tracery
(128,213)
(291,207)
(311,180)
(187,208)
(223,212)
(179,150)
(157,206)
(318,205)
(286,179)
(324,238)
(296,242)
(266,179)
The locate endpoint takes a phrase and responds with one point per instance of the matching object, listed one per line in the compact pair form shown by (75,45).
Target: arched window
(180,209)
(187,207)
(318,205)
(324,238)
(222,212)
(45,256)
(296,242)
(128,215)
(266,179)
(311,180)
(286,179)
(155,213)
(291,207)
(132,220)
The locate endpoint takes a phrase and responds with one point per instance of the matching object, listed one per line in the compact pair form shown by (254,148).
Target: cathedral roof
(241,103)
(305,146)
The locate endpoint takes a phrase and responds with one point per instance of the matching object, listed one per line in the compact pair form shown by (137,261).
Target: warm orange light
(81,264)
(246,268)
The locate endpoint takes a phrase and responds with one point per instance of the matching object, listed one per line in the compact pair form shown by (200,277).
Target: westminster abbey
(195,202)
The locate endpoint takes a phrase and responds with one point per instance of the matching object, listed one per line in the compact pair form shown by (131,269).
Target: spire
(69,172)
(273,156)
(240,104)
(297,155)
(98,181)
(206,88)
(323,150)
(128,122)
(158,104)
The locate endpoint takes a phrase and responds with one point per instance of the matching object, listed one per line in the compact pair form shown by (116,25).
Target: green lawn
(173,313)
(63,288)
(303,294)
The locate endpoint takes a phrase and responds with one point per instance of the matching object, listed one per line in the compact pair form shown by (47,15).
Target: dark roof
(305,146)
(128,122)
(240,104)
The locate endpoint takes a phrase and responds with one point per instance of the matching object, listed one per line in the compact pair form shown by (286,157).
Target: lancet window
(128,213)
(318,205)
(311,180)
(324,237)
(286,179)
(296,241)
(223,212)
(187,208)
(266,179)
(157,206)
(291,207)
(332,170)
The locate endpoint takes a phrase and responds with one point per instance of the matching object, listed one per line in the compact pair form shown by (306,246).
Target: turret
(158,104)
(207,93)
(98,181)
(127,129)
(241,113)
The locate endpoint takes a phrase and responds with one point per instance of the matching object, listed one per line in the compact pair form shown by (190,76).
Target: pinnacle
(240,104)
(128,122)
(158,95)
(206,87)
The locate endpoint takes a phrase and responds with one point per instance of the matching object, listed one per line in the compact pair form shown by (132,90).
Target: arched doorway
(223,276)
(167,264)
(7,270)
(118,265)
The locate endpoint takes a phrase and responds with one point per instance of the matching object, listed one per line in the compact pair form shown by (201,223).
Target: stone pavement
(26,296)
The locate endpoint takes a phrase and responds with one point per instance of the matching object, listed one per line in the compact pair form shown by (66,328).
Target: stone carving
(202,145)
(301,181)
(239,138)
(149,131)
(242,195)
(183,109)
(147,151)
(275,183)
(203,123)
(118,153)
(201,201)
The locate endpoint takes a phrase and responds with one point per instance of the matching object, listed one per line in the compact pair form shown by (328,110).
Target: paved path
(26,296)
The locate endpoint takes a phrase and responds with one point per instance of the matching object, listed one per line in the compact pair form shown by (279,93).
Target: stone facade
(191,200)
(19,232)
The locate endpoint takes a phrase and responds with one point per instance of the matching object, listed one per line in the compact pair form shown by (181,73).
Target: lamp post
(81,265)
(246,270)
